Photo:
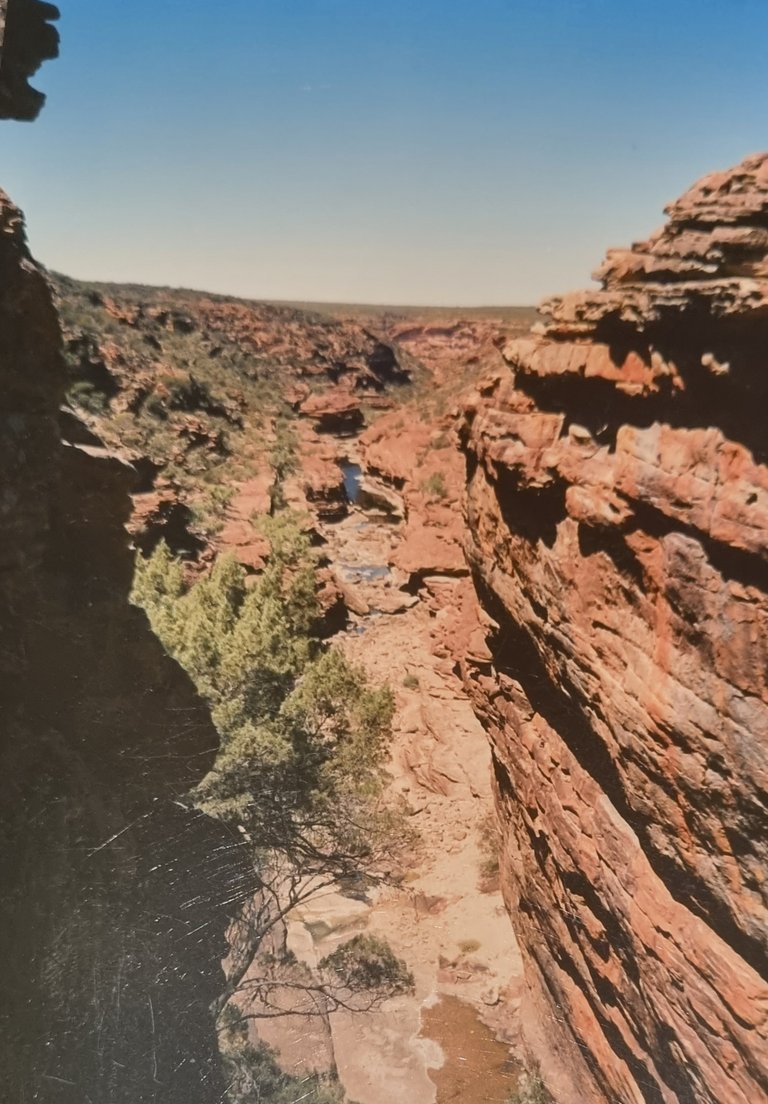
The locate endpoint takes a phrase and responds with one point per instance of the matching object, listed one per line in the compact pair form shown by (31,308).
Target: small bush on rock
(531,1088)
(435,486)
(254,1076)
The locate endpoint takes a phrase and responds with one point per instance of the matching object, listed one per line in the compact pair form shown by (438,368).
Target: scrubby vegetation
(469,946)
(303,735)
(366,963)
(283,460)
(435,486)
(253,1075)
(165,381)
(531,1088)
(299,775)
(290,714)
(195,386)
(88,396)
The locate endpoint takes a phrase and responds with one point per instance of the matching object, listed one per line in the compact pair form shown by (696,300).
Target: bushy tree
(365,964)
(303,735)
(303,740)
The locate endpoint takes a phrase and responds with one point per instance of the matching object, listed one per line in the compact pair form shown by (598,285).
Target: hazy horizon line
(306,302)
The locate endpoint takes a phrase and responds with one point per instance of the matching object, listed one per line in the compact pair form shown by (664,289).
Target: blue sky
(483,152)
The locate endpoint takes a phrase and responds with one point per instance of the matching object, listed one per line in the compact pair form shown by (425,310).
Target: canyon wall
(116,895)
(617,511)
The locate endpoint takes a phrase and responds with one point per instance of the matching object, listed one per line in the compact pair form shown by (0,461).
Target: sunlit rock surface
(617,509)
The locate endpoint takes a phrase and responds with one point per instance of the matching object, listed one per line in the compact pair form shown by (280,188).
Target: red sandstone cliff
(617,509)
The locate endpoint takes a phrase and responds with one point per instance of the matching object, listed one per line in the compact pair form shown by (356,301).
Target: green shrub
(209,512)
(155,406)
(435,486)
(469,946)
(367,964)
(88,397)
(283,460)
(411,682)
(303,741)
(298,724)
(188,394)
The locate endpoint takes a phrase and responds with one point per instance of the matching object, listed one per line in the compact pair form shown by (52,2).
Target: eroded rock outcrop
(618,533)
(116,895)
(27,39)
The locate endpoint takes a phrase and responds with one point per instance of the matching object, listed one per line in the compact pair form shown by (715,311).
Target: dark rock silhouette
(116,895)
(28,40)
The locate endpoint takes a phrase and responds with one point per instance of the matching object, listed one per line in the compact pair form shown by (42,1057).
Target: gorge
(546,532)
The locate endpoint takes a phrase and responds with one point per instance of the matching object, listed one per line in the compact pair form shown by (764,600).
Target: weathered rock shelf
(617,512)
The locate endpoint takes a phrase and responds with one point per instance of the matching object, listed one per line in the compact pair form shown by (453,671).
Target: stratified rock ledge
(617,508)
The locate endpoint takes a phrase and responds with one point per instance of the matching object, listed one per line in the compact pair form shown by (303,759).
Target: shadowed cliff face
(28,40)
(618,532)
(116,897)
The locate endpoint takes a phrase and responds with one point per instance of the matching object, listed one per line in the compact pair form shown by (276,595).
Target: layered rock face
(116,896)
(617,510)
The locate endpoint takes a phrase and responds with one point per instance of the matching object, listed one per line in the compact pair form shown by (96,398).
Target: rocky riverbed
(455,937)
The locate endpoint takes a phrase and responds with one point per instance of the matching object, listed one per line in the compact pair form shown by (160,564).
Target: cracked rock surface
(616,507)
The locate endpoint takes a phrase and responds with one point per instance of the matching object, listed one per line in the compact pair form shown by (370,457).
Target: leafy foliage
(357,977)
(366,963)
(303,742)
(469,946)
(85,394)
(167,366)
(435,485)
(189,394)
(293,719)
